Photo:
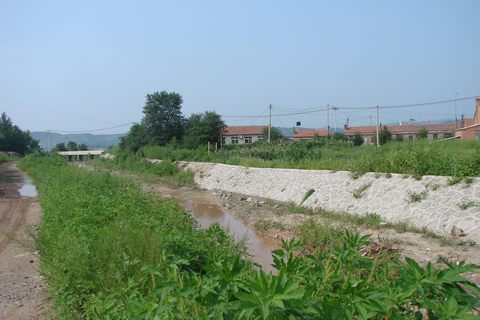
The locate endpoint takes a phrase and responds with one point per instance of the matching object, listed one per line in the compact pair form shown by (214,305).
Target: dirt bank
(278,220)
(22,287)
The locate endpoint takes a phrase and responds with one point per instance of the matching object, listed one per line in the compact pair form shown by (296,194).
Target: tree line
(163,123)
(13,139)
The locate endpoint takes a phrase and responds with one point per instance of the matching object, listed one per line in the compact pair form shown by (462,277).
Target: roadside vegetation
(417,158)
(113,252)
(165,172)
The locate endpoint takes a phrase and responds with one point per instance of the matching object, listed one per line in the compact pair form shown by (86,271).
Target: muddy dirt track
(21,285)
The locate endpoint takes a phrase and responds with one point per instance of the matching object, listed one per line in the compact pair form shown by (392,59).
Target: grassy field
(447,158)
(110,251)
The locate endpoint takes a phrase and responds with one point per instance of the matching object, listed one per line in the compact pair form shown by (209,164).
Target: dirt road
(21,285)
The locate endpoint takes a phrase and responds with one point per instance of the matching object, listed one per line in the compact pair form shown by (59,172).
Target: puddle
(27,190)
(14,184)
(206,211)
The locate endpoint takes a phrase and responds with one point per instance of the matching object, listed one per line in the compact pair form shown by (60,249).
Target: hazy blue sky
(98,59)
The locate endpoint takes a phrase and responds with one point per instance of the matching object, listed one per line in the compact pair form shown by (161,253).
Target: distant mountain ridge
(93,141)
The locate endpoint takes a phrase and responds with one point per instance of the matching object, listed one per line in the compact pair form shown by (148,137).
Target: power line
(94,130)
(52,110)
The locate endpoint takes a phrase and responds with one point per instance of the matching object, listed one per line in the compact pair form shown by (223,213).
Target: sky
(87,65)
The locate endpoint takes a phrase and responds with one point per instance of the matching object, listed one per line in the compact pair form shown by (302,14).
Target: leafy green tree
(14,139)
(339,136)
(60,147)
(357,139)
(422,134)
(163,119)
(135,139)
(201,128)
(275,134)
(72,146)
(399,138)
(385,135)
(82,147)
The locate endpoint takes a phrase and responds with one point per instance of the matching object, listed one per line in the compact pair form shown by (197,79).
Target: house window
(260,138)
(248,139)
(410,138)
(435,136)
(223,140)
(234,140)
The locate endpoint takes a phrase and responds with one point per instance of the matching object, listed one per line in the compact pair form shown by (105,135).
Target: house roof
(310,134)
(408,128)
(468,122)
(244,130)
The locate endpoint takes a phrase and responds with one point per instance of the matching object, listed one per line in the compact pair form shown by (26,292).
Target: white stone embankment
(430,202)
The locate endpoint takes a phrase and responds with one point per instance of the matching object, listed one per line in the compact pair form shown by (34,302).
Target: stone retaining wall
(430,202)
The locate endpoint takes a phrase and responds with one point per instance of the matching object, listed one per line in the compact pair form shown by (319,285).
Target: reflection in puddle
(206,211)
(28,190)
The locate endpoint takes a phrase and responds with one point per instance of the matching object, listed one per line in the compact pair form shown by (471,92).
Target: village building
(81,155)
(309,134)
(242,134)
(407,132)
(470,128)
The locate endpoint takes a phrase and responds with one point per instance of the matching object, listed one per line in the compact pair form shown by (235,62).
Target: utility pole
(335,117)
(378,130)
(269,122)
(328,120)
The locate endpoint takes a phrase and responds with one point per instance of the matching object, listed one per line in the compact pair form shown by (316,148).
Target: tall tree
(201,128)
(72,146)
(163,119)
(60,147)
(14,139)
(82,147)
(135,139)
(385,135)
(275,134)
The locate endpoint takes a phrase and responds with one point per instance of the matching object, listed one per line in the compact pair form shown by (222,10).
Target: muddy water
(204,208)
(15,184)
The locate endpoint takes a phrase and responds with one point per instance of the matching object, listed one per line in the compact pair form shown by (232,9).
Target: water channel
(205,209)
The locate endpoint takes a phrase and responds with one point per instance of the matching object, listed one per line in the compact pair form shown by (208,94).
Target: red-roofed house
(408,131)
(470,129)
(243,134)
(309,134)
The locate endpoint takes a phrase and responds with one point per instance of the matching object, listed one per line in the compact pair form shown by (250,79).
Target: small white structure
(81,155)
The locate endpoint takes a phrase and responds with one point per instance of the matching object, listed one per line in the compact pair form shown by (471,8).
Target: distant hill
(93,141)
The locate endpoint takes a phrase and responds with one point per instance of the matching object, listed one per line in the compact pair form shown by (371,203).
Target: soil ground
(22,288)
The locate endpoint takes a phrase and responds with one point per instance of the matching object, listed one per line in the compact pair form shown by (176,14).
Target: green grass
(415,158)
(109,251)
(165,172)
(417,196)
(468,204)
(4,157)
(307,195)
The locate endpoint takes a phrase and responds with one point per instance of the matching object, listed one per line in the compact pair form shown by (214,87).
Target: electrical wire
(94,130)
(53,111)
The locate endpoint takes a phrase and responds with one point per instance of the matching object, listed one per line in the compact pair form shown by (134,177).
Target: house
(407,132)
(242,134)
(309,134)
(470,128)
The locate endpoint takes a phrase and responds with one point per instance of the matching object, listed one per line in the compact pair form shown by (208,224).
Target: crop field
(110,251)
(446,158)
